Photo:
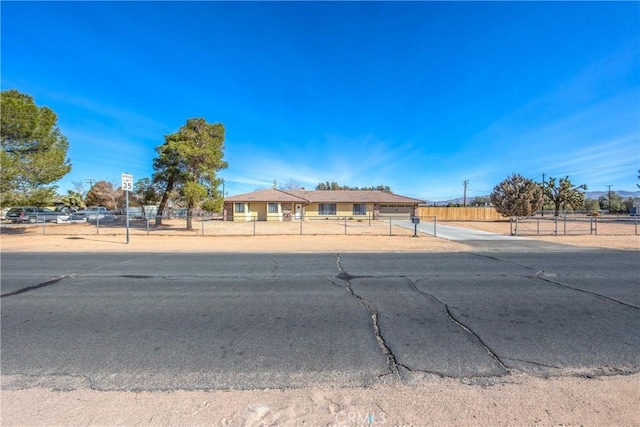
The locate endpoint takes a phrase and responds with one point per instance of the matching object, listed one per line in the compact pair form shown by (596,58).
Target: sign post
(127,185)
(415,220)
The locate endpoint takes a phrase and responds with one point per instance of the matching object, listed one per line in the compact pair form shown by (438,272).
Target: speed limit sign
(127,182)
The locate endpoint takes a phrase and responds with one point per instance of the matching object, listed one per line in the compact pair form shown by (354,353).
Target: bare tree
(78,187)
(291,185)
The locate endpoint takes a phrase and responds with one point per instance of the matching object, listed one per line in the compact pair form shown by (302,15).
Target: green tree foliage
(517,196)
(214,200)
(34,151)
(481,201)
(592,206)
(73,199)
(616,204)
(189,159)
(145,192)
(562,193)
(169,172)
(335,186)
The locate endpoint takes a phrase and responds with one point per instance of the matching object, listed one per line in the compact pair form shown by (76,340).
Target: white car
(94,214)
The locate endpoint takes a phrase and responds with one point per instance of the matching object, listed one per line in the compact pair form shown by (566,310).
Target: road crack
(392,362)
(544,276)
(40,285)
(464,327)
(615,301)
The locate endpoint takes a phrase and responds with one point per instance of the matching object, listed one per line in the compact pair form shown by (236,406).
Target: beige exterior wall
(274,216)
(288,211)
(258,211)
(242,216)
(342,210)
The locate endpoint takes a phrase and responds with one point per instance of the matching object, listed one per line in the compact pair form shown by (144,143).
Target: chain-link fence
(393,225)
(574,225)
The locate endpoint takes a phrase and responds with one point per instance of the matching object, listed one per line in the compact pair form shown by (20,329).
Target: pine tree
(34,151)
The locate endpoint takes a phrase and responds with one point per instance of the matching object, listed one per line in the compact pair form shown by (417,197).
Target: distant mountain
(589,194)
(622,193)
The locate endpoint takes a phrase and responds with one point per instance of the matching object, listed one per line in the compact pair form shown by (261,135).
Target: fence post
(596,225)
(565,224)
(98,224)
(636,222)
(44,221)
(516,228)
(510,226)
(345,225)
(390,226)
(538,229)
(148,226)
(301,219)
(202,222)
(555,225)
(254,225)
(435,222)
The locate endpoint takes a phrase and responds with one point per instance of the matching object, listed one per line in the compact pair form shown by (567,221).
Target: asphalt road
(130,321)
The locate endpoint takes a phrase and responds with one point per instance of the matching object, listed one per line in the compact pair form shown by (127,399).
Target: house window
(273,208)
(327,209)
(239,207)
(359,208)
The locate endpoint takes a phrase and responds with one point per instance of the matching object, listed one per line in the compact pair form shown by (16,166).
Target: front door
(298,214)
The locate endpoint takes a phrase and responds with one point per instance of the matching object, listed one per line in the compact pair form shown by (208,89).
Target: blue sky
(420,96)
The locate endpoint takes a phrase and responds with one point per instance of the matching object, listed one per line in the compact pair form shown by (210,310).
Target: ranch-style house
(292,205)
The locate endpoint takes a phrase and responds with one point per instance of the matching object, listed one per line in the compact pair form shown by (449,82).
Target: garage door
(396,209)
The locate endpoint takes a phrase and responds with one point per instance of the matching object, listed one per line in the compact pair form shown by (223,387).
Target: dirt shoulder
(512,400)
(251,244)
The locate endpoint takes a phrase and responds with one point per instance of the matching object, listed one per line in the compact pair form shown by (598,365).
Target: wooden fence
(474,213)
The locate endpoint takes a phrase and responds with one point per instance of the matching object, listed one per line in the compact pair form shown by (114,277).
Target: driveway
(484,240)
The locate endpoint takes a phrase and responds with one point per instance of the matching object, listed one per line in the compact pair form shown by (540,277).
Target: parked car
(31,215)
(94,214)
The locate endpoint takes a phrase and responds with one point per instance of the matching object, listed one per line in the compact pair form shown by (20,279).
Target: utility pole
(609,196)
(90,181)
(464,200)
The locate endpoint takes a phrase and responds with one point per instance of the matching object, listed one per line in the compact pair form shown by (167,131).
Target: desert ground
(313,236)
(515,399)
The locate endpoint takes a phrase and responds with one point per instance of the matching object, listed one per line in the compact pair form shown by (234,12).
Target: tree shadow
(93,240)
(13,230)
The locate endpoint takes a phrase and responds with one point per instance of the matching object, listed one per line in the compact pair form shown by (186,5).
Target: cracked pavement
(216,321)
